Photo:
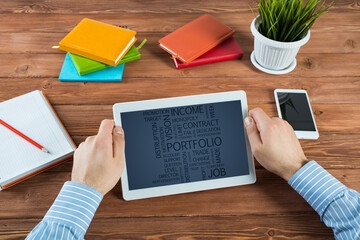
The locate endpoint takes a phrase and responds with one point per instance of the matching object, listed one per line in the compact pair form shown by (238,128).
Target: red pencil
(23,136)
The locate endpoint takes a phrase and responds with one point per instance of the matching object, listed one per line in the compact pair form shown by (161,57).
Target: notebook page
(30,115)
(62,129)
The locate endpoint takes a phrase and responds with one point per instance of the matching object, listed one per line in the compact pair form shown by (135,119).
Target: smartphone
(294,106)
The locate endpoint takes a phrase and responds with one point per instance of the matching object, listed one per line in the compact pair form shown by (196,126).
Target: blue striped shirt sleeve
(337,205)
(70,215)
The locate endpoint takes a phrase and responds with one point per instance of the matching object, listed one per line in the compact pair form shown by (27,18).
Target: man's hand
(274,144)
(99,161)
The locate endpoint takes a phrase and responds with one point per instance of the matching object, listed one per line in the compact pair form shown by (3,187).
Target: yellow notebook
(98,41)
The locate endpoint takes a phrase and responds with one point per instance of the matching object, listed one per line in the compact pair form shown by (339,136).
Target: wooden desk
(328,68)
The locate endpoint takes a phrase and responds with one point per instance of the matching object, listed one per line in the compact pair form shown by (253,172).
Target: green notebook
(86,65)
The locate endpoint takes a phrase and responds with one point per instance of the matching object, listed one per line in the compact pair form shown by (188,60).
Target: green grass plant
(288,20)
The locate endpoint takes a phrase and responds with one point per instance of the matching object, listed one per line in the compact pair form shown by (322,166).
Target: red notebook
(195,38)
(225,51)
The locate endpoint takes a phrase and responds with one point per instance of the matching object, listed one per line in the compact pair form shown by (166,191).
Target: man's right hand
(100,160)
(274,144)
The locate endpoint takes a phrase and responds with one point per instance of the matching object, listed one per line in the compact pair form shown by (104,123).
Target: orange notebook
(33,116)
(98,41)
(195,38)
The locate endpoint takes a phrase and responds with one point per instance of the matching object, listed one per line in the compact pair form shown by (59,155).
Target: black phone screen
(295,109)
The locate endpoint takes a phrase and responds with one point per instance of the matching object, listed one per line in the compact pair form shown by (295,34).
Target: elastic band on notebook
(142,44)
(173,57)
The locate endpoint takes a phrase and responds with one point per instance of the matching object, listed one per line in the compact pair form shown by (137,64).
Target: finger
(81,144)
(89,139)
(118,143)
(253,134)
(106,131)
(260,117)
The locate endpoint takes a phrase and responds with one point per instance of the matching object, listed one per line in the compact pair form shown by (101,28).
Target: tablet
(184,144)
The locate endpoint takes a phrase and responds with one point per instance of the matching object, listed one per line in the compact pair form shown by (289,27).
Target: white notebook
(32,115)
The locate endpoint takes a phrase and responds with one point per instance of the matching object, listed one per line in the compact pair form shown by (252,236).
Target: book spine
(199,62)
(34,173)
(92,69)
(82,53)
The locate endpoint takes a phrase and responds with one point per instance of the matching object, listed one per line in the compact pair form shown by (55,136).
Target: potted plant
(281,28)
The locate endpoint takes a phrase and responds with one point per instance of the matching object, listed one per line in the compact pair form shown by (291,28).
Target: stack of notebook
(204,40)
(97,52)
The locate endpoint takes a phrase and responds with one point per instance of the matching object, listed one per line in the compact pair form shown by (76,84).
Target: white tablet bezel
(193,186)
(299,134)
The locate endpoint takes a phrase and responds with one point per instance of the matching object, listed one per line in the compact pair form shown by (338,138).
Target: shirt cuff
(316,186)
(75,206)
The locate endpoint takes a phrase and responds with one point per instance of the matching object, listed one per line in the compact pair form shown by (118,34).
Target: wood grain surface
(328,68)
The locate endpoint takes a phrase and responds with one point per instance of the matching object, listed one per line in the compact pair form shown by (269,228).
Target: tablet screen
(184,144)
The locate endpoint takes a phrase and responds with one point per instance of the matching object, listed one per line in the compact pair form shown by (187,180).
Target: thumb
(253,133)
(118,143)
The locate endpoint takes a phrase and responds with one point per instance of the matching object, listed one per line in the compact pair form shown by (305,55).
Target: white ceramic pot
(274,55)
